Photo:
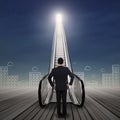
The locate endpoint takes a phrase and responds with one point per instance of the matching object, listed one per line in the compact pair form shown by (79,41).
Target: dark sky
(27,26)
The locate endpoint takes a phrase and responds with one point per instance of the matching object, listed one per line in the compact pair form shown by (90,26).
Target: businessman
(60,76)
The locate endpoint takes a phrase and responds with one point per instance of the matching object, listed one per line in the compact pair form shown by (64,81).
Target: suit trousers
(61,95)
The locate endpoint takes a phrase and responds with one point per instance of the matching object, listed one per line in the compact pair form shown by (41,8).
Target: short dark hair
(60,61)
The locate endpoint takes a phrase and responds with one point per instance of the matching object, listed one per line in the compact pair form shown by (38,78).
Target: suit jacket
(60,75)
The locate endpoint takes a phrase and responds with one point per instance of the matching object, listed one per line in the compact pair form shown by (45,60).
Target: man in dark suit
(60,75)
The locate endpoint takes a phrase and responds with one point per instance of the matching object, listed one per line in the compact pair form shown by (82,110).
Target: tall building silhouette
(116,74)
(34,78)
(112,79)
(3,75)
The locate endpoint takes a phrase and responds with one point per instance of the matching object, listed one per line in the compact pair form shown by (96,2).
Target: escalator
(76,92)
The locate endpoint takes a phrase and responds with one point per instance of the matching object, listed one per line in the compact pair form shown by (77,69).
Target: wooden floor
(22,104)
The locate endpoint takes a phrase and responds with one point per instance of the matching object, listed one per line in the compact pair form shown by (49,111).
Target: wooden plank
(69,112)
(88,115)
(40,113)
(55,116)
(115,92)
(13,101)
(46,113)
(111,105)
(102,111)
(81,113)
(13,111)
(51,112)
(33,113)
(75,113)
(26,112)
(111,100)
(96,113)
(98,106)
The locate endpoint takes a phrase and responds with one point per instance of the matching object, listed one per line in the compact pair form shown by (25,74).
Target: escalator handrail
(83,91)
(39,91)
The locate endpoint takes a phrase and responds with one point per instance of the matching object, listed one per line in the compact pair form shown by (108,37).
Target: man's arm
(50,78)
(71,76)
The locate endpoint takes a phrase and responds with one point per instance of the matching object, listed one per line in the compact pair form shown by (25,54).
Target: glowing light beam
(58,18)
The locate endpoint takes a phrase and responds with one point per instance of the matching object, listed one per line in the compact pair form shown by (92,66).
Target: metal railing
(76,92)
(43,90)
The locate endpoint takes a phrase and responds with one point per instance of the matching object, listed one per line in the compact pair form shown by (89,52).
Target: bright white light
(58,18)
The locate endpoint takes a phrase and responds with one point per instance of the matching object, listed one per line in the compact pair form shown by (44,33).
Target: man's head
(60,61)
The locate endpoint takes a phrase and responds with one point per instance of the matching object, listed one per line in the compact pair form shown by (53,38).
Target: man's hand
(70,83)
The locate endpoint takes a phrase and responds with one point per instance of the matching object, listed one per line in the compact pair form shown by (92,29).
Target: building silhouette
(12,80)
(34,77)
(107,80)
(7,80)
(112,79)
(116,74)
(3,75)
